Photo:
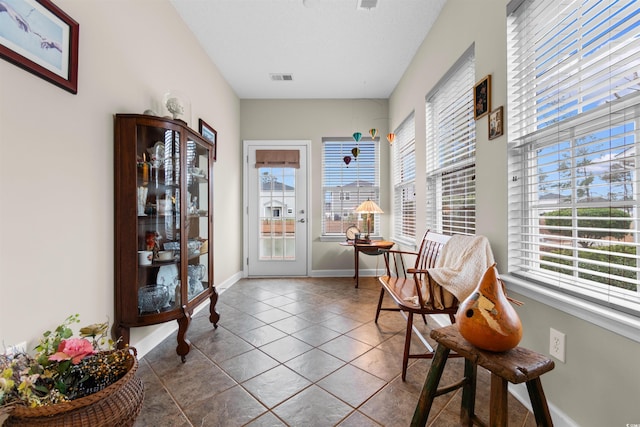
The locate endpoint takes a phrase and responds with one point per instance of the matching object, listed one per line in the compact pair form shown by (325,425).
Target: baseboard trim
(560,419)
(369,272)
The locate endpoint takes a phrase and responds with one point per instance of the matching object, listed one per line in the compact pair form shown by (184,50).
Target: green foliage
(607,254)
(604,219)
(51,340)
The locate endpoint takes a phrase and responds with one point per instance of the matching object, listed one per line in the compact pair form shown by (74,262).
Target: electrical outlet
(556,344)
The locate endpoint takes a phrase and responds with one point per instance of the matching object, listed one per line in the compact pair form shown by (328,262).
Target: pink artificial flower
(75,349)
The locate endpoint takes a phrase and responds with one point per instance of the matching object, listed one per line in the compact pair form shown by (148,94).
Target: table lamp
(368,207)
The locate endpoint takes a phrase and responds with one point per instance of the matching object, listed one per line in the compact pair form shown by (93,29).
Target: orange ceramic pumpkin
(486,318)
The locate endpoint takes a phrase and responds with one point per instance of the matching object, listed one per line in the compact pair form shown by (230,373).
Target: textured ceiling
(332,48)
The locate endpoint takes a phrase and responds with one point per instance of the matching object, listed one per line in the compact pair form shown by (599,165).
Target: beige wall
(56,177)
(313,120)
(600,382)
(56,162)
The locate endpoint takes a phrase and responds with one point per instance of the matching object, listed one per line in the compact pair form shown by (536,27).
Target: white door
(277,224)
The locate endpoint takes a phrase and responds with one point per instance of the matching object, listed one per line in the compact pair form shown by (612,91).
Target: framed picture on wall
(39,37)
(210,134)
(482,97)
(496,120)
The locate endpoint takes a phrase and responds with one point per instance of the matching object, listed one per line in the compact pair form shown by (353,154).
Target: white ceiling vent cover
(281,77)
(367,4)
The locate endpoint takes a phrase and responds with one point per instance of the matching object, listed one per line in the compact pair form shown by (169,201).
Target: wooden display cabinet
(163,225)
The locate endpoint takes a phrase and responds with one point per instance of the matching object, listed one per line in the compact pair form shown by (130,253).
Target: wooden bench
(516,366)
(414,292)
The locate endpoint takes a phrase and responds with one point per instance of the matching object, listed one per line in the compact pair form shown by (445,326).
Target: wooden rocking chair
(413,290)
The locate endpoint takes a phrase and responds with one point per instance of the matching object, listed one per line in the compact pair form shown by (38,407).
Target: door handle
(301,220)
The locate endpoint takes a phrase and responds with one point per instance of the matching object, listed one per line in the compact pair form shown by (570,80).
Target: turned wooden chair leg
(379,304)
(407,345)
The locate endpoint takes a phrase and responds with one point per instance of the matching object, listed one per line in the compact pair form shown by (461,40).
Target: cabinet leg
(184,345)
(214,316)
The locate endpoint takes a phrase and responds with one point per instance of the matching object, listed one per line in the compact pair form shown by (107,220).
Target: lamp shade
(369,207)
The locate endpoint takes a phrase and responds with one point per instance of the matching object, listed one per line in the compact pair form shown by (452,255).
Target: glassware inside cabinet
(197,199)
(158,191)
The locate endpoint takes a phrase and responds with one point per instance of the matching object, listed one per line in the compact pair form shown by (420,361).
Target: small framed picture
(496,123)
(210,134)
(482,97)
(39,37)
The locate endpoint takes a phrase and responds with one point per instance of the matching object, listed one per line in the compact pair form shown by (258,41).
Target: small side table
(515,366)
(374,248)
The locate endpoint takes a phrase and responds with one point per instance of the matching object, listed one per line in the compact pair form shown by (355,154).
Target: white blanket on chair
(461,264)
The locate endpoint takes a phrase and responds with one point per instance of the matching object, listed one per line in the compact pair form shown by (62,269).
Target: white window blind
(346,186)
(574,115)
(451,151)
(404,181)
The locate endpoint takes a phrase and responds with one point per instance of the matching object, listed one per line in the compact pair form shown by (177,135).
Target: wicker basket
(117,405)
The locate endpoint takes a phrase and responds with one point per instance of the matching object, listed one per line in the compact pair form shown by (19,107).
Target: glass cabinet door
(197,227)
(158,224)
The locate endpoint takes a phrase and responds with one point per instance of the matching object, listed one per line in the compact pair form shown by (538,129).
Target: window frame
(450,167)
(404,182)
(354,194)
(528,128)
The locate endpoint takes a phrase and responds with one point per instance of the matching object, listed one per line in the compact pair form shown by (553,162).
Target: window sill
(406,243)
(343,239)
(333,239)
(615,321)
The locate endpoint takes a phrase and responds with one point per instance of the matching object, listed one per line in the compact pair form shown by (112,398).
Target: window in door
(277,232)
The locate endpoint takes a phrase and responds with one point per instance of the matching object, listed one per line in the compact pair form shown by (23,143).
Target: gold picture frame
(496,123)
(482,97)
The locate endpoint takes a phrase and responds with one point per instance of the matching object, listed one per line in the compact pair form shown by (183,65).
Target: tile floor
(298,352)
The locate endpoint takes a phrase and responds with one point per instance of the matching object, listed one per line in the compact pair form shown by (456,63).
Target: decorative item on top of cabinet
(163,225)
(178,105)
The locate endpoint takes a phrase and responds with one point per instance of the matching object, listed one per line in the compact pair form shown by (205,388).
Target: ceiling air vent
(367,4)
(281,77)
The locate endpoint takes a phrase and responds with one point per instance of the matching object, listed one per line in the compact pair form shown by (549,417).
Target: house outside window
(346,184)
(451,151)
(573,130)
